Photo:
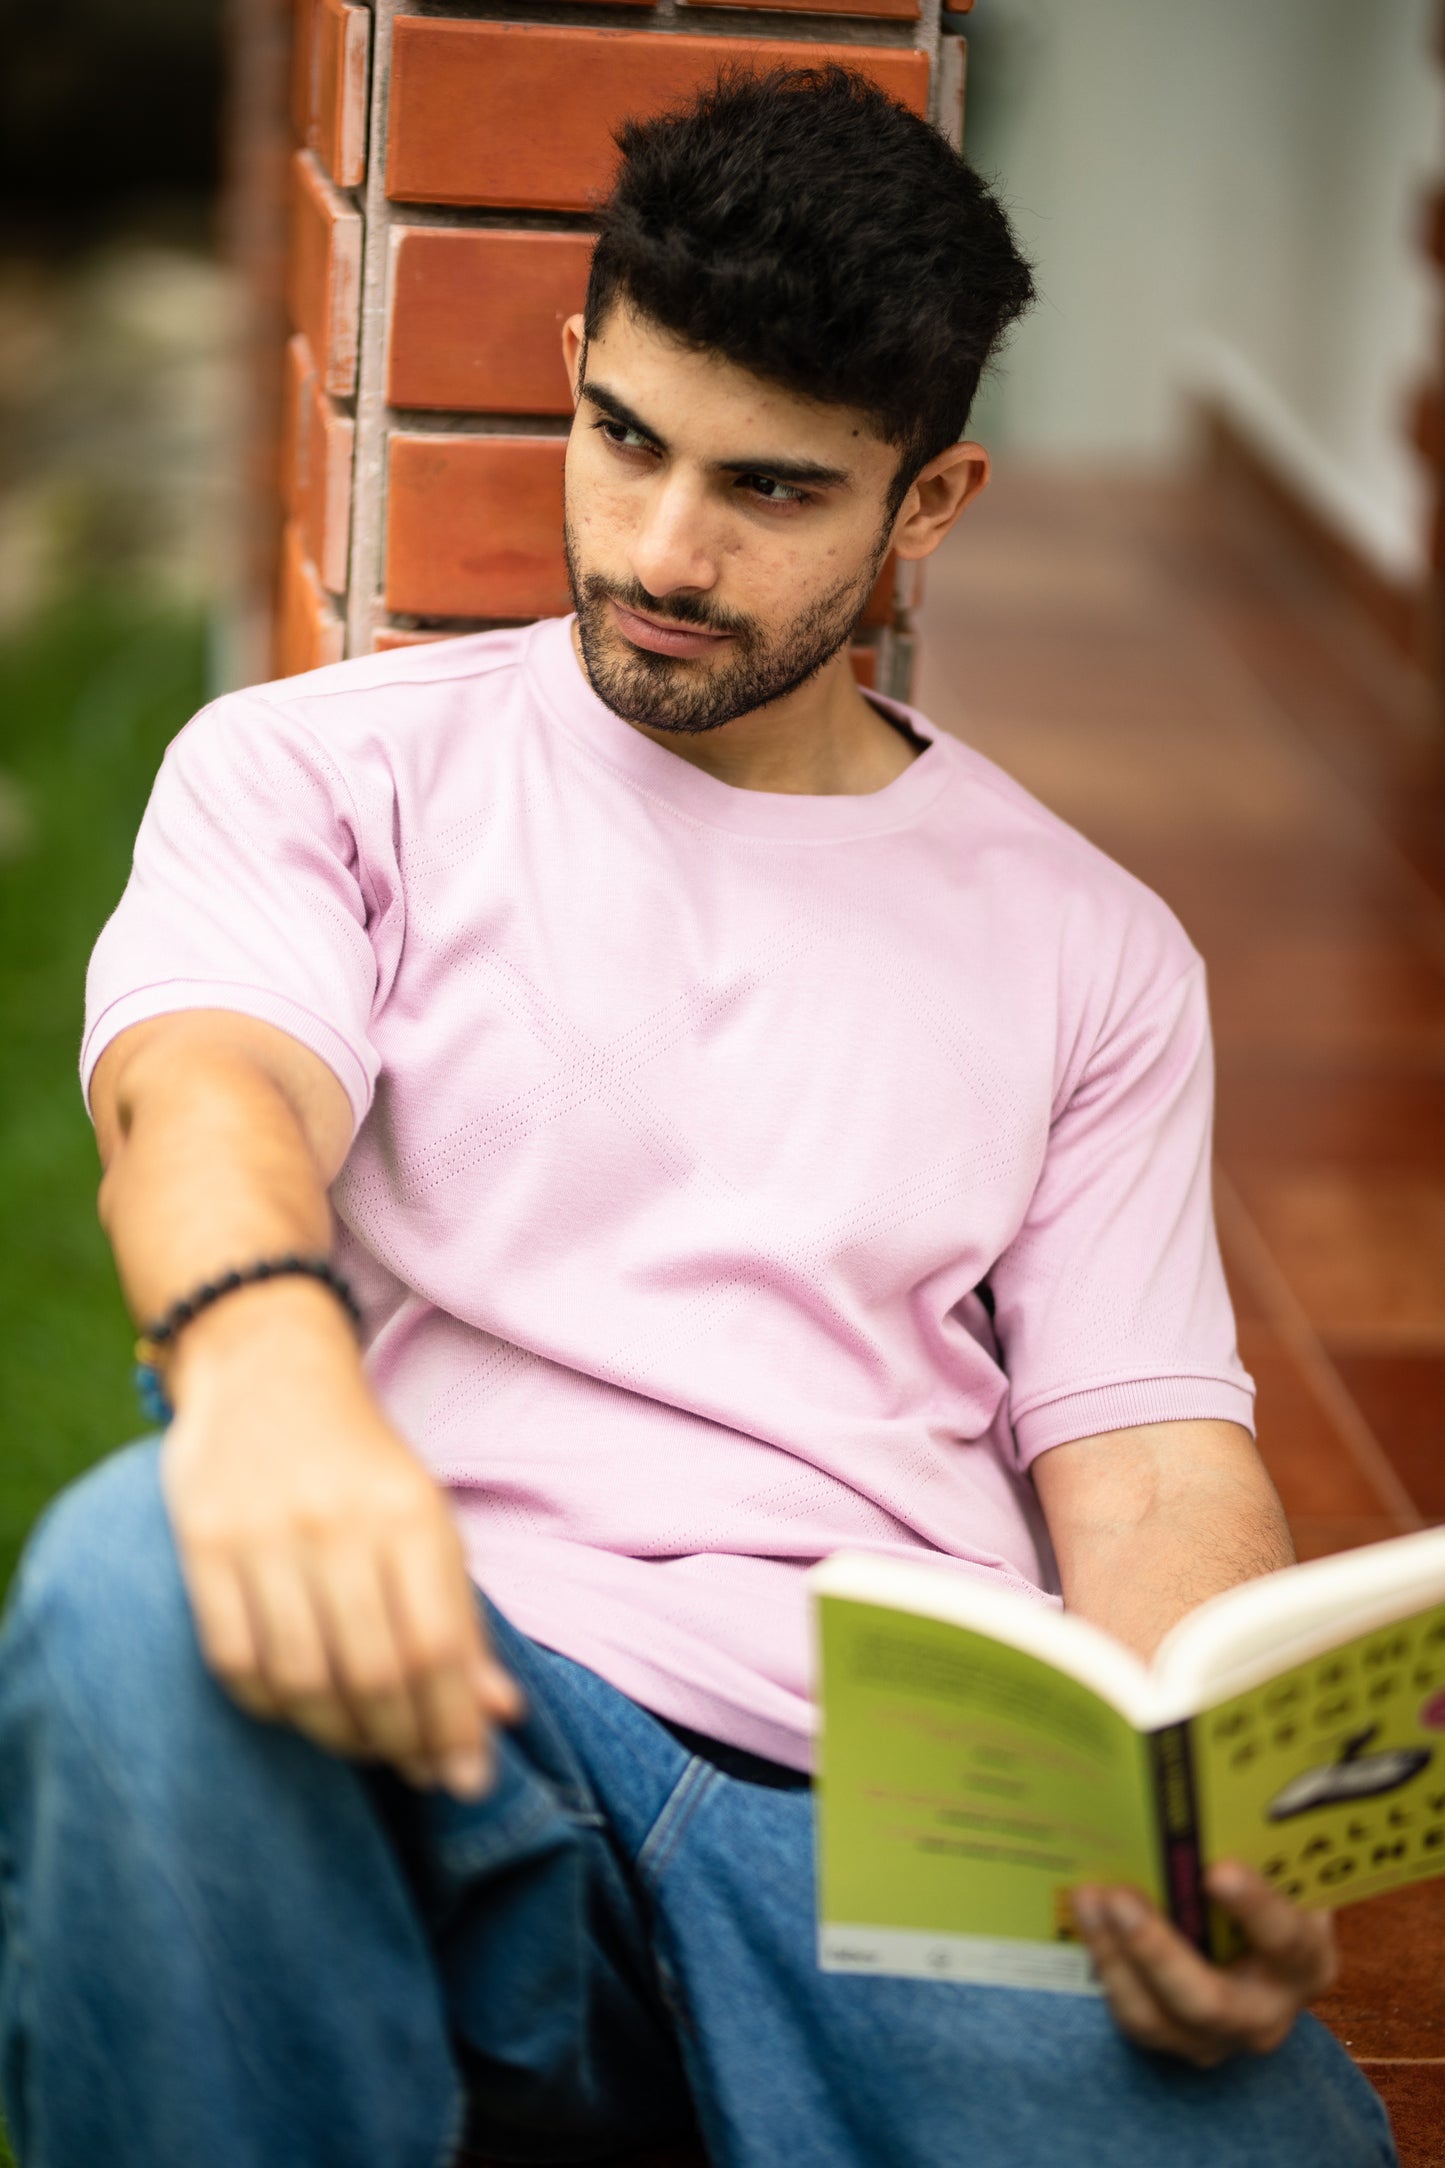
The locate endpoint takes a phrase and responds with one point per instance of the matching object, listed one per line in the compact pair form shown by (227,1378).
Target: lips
(684,641)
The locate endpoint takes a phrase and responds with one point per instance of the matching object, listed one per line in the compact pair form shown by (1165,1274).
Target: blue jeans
(224,1948)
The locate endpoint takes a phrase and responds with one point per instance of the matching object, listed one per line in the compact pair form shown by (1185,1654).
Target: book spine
(1176,1806)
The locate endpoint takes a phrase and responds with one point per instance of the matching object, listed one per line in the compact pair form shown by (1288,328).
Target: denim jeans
(225,1948)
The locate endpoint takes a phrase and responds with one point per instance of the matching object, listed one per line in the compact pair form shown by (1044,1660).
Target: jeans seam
(682,1801)
(465,1853)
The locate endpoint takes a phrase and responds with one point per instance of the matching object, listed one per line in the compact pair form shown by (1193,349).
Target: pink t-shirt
(692,1123)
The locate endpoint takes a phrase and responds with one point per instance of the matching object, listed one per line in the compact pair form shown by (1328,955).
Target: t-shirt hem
(173,997)
(1129,1403)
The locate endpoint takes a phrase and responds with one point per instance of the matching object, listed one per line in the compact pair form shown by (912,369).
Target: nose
(670,549)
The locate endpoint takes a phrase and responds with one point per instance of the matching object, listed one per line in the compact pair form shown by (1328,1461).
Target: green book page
(965,1789)
(1330,1779)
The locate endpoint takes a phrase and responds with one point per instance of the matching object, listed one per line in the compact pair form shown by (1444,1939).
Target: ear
(937,497)
(574,353)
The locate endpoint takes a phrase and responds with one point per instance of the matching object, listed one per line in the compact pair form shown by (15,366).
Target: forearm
(325,1573)
(1148,1523)
(210,1169)
(209,1165)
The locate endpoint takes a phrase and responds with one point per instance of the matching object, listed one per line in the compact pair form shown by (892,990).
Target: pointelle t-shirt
(737,1175)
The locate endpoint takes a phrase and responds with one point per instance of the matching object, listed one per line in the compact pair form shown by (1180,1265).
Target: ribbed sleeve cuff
(173,996)
(1134,1401)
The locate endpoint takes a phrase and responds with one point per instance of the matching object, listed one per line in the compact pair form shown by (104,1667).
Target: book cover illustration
(1330,1778)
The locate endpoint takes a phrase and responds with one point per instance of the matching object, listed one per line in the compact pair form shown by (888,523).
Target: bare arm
(1146,1523)
(323,1568)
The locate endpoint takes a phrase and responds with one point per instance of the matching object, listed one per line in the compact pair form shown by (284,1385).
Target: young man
(751,1125)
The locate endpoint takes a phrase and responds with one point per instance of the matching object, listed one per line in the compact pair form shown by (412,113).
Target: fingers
(1297,1946)
(1122,1931)
(1169,1998)
(457,1688)
(378,1657)
(294,1661)
(223,1627)
(330,1591)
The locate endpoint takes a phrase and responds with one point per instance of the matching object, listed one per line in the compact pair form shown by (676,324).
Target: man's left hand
(1165,1996)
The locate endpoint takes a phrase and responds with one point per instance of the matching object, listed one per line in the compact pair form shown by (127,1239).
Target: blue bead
(152,1395)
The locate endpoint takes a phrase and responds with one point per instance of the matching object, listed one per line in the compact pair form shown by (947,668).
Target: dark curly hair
(811,230)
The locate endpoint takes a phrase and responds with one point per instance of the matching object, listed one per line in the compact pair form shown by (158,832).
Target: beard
(687,695)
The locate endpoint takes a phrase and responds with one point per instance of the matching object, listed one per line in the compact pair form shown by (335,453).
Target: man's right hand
(324,1570)
(323,1567)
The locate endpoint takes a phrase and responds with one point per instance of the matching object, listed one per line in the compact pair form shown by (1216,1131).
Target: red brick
(304,24)
(298,380)
(308,630)
(323,285)
(341,90)
(330,51)
(899,10)
(524,114)
(387,637)
(316,467)
(476,318)
(475,526)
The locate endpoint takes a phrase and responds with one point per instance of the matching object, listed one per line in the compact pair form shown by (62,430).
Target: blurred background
(119,327)
(1197,612)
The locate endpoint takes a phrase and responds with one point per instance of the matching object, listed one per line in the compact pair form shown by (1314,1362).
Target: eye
(620,437)
(769,491)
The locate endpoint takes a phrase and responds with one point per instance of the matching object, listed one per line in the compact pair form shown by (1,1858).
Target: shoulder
(1056,881)
(358,727)
(388,693)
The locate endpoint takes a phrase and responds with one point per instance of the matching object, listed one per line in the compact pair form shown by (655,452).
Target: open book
(982,1754)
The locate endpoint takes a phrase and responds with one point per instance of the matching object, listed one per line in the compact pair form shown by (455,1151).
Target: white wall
(1220,194)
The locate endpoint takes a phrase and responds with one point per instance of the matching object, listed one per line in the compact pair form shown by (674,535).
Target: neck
(824,740)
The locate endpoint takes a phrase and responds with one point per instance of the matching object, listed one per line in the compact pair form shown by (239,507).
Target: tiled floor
(1167,673)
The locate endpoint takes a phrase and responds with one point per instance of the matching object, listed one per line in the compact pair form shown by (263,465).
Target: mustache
(680,609)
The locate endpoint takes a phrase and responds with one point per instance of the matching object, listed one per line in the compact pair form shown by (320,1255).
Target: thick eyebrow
(806,473)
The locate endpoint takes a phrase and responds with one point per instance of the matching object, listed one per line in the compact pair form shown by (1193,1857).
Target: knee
(98,1597)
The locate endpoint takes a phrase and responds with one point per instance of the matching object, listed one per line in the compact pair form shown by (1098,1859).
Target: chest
(820,1041)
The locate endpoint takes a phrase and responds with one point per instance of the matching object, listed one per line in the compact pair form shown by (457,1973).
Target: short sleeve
(248,891)
(1111,1305)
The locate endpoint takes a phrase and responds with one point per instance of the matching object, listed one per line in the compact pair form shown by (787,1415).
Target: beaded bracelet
(153,1342)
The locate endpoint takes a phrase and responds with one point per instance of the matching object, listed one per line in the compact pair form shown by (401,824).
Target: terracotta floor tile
(1313,1468)
(1390,1998)
(1362,1250)
(1245,1296)
(1227,888)
(1330,995)
(1320,1537)
(1402,1398)
(1329,1114)
(1109,766)
(1414,2096)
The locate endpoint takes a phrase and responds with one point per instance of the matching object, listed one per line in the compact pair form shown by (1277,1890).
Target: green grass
(89,696)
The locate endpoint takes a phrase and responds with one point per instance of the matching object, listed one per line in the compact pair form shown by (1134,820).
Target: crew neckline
(802,816)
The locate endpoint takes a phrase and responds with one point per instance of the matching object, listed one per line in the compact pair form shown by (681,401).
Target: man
(752,1125)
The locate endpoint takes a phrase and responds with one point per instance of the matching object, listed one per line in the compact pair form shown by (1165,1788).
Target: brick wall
(442,167)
